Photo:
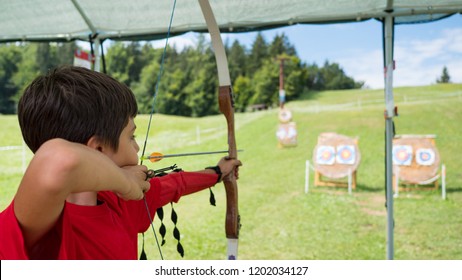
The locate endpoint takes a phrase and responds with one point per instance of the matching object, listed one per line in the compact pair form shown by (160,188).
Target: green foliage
(281,45)
(242,93)
(29,70)
(445,78)
(258,54)
(118,61)
(334,77)
(50,55)
(188,84)
(9,55)
(21,63)
(237,60)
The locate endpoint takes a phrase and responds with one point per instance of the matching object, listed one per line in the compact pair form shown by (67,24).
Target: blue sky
(421,50)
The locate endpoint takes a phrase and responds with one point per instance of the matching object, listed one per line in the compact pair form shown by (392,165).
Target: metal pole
(389,114)
(97,58)
(282,92)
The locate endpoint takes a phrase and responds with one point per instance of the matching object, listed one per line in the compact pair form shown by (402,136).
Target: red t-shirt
(108,230)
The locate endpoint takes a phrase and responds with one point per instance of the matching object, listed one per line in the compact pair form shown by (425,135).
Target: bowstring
(161,70)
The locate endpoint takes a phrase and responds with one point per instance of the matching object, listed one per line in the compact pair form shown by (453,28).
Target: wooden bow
(226,105)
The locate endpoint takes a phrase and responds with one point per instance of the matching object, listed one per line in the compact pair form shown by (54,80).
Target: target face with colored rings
(425,156)
(325,155)
(402,155)
(346,154)
(285,116)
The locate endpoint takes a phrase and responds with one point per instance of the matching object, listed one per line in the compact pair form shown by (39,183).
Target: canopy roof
(59,20)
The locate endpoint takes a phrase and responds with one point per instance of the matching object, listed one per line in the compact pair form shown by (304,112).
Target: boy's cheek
(134,160)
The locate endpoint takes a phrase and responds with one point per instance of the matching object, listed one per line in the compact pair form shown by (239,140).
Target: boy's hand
(136,182)
(227,165)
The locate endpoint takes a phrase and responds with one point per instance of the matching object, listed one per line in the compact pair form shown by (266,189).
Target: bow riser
(226,104)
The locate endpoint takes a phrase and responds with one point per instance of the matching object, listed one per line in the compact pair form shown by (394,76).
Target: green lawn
(280,221)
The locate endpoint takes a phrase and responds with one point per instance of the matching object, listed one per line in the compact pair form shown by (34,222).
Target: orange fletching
(156,156)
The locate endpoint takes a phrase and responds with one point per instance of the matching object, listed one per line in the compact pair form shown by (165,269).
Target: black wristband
(217,171)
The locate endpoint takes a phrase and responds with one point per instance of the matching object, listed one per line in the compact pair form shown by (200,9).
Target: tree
(189,80)
(445,78)
(9,57)
(258,54)
(27,69)
(281,45)
(65,53)
(118,62)
(201,86)
(266,84)
(295,78)
(237,60)
(243,92)
(145,88)
(334,77)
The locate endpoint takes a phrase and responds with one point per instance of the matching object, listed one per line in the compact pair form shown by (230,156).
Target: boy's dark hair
(75,103)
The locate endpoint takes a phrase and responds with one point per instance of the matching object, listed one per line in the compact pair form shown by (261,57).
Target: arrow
(156,156)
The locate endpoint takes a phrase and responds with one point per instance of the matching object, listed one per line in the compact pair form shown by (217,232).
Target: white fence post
(349,181)
(307,176)
(397,182)
(443,183)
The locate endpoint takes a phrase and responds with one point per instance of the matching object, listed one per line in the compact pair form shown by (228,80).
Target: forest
(188,83)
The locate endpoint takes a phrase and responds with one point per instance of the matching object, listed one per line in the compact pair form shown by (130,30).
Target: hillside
(280,221)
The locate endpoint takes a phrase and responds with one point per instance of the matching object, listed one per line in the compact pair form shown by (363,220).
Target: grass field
(280,221)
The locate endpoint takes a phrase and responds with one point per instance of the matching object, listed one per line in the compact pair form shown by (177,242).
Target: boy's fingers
(146,187)
(149,174)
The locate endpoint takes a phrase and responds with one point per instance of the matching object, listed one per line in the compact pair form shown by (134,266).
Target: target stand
(416,162)
(335,158)
(287,129)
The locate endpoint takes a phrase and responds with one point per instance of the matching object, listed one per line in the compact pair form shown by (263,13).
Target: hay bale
(335,169)
(415,173)
(287,134)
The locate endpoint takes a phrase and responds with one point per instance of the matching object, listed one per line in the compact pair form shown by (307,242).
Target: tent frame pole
(93,31)
(389,114)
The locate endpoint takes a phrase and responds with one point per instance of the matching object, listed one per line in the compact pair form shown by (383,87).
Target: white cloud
(366,66)
(179,42)
(418,62)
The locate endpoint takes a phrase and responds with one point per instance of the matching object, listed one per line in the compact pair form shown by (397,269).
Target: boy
(81,196)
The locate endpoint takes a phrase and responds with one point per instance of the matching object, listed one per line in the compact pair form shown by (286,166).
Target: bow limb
(226,105)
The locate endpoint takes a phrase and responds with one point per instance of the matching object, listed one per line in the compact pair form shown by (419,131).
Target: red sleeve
(11,238)
(170,188)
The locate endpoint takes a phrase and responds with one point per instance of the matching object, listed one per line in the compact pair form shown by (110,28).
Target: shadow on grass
(365,188)
(454,190)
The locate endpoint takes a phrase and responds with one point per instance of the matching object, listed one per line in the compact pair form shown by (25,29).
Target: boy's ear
(95,143)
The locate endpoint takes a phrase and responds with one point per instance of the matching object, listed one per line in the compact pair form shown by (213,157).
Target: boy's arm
(60,168)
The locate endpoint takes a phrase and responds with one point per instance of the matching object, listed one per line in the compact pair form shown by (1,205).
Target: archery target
(287,134)
(425,156)
(285,116)
(402,155)
(325,155)
(281,133)
(346,154)
(336,156)
(425,168)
